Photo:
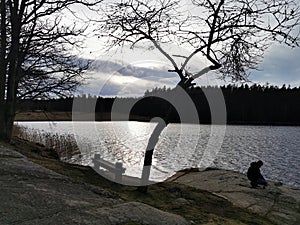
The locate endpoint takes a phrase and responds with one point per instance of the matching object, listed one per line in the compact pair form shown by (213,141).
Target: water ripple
(180,147)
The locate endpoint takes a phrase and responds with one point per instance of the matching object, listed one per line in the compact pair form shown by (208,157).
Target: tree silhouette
(35,56)
(232,35)
(259,105)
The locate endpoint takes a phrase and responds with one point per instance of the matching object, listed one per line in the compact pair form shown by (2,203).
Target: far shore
(34,116)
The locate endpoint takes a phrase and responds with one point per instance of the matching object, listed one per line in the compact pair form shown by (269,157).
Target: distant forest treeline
(244,104)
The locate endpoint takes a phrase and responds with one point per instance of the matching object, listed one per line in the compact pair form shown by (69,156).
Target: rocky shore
(279,203)
(33,194)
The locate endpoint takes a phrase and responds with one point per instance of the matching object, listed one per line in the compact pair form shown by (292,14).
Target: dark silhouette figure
(255,176)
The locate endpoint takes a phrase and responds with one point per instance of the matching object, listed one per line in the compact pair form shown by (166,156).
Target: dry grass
(64,145)
(44,116)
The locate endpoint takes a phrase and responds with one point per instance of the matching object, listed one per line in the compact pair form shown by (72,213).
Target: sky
(129,73)
(281,65)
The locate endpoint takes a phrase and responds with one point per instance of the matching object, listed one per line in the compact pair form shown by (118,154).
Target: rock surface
(31,194)
(280,203)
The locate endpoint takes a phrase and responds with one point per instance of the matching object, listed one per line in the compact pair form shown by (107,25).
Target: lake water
(185,146)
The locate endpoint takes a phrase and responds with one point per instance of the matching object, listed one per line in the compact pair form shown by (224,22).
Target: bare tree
(35,53)
(232,35)
(49,69)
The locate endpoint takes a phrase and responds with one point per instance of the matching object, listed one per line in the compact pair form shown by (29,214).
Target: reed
(64,145)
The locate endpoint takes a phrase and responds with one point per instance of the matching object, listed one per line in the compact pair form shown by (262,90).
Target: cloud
(154,70)
(111,77)
(126,71)
(280,66)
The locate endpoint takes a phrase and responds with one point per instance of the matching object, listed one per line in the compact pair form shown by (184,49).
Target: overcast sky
(126,72)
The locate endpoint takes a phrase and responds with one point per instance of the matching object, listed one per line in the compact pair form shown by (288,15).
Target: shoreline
(106,117)
(181,196)
(71,143)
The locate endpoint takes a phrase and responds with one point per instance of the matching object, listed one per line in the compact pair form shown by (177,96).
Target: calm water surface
(185,146)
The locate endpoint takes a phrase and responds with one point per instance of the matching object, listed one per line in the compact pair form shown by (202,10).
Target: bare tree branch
(35,53)
(221,31)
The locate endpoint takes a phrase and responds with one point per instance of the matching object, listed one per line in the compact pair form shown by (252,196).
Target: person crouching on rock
(255,176)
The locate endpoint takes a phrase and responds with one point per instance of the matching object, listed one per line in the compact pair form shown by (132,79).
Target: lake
(184,146)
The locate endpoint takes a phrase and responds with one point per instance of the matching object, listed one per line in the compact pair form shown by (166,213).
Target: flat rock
(32,194)
(181,201)
(281,204)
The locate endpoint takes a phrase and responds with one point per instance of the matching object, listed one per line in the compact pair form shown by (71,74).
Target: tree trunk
(149,153)
(2,123)
(9,121)
(10,106)
(2,70)
(14,68)
(162,124)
